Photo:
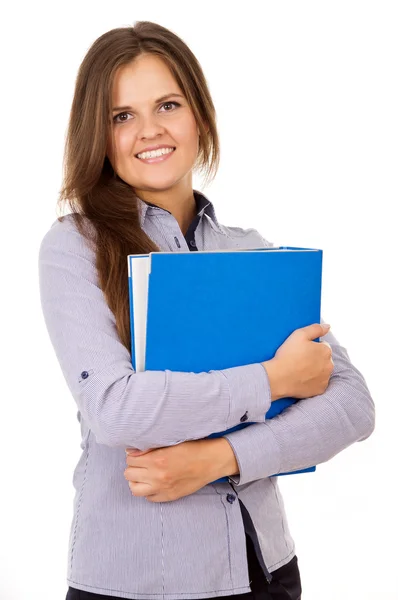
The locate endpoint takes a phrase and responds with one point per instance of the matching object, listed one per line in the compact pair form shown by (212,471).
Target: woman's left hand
(166,474)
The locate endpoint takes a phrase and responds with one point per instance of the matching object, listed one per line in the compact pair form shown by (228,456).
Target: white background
(306,95)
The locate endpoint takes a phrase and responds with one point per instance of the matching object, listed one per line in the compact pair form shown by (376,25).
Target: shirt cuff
(250,394)
(257,453)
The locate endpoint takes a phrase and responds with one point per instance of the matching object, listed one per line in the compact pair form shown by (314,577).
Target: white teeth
(154,153)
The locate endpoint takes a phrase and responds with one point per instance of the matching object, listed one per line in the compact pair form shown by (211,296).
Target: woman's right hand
(301,368)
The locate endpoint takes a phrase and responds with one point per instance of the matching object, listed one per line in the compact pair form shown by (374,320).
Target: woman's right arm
(143,410)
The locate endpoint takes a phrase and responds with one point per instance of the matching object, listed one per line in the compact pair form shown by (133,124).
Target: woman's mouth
(157,159)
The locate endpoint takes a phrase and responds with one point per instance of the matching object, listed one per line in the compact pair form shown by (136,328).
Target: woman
(151,524)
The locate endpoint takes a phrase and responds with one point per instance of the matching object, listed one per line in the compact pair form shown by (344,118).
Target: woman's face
(143,122)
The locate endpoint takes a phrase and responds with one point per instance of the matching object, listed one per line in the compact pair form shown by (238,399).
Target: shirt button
(231,498)
(84,374)
(244,418)
(177,242)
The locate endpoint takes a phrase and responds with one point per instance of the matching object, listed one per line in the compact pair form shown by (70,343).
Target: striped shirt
(193,547)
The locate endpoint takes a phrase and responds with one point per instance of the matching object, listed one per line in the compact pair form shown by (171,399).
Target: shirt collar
(203,204)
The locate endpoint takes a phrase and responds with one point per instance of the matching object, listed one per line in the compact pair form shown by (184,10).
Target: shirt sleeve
(312,430)
(149,409)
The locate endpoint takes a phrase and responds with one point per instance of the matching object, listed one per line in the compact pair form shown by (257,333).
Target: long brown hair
(103,206)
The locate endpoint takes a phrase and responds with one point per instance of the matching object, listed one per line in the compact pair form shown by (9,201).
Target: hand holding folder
(248,302)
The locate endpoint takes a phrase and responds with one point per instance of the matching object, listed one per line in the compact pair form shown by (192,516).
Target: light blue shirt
(193,547)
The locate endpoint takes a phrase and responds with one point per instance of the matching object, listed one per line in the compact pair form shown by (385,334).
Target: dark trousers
(285,584)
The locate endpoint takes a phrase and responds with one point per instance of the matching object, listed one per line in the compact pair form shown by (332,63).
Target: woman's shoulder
(70,222)
(64,234)
(248,235)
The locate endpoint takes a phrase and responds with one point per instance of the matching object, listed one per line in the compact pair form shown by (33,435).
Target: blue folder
(220,309)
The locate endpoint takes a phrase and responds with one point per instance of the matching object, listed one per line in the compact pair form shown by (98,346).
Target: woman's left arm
(169,473)
(312,430)
(307,433)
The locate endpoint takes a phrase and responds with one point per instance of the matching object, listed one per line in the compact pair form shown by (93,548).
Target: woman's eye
(116,117)
(166,103)
(119,115)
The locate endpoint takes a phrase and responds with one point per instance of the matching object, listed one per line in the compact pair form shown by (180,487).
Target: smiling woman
(142,121)
(149,123)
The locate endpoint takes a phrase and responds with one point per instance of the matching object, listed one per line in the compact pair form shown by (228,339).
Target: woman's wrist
(276,379)
(222,459)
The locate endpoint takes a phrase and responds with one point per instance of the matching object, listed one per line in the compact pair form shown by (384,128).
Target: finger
(331,355)
(329,346)
(315,330)
(136,452)
(136,461)
(139,489)
(135,474)
(326,344)
(158,498)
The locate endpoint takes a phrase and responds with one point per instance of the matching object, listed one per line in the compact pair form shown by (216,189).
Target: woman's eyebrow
(156,101)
